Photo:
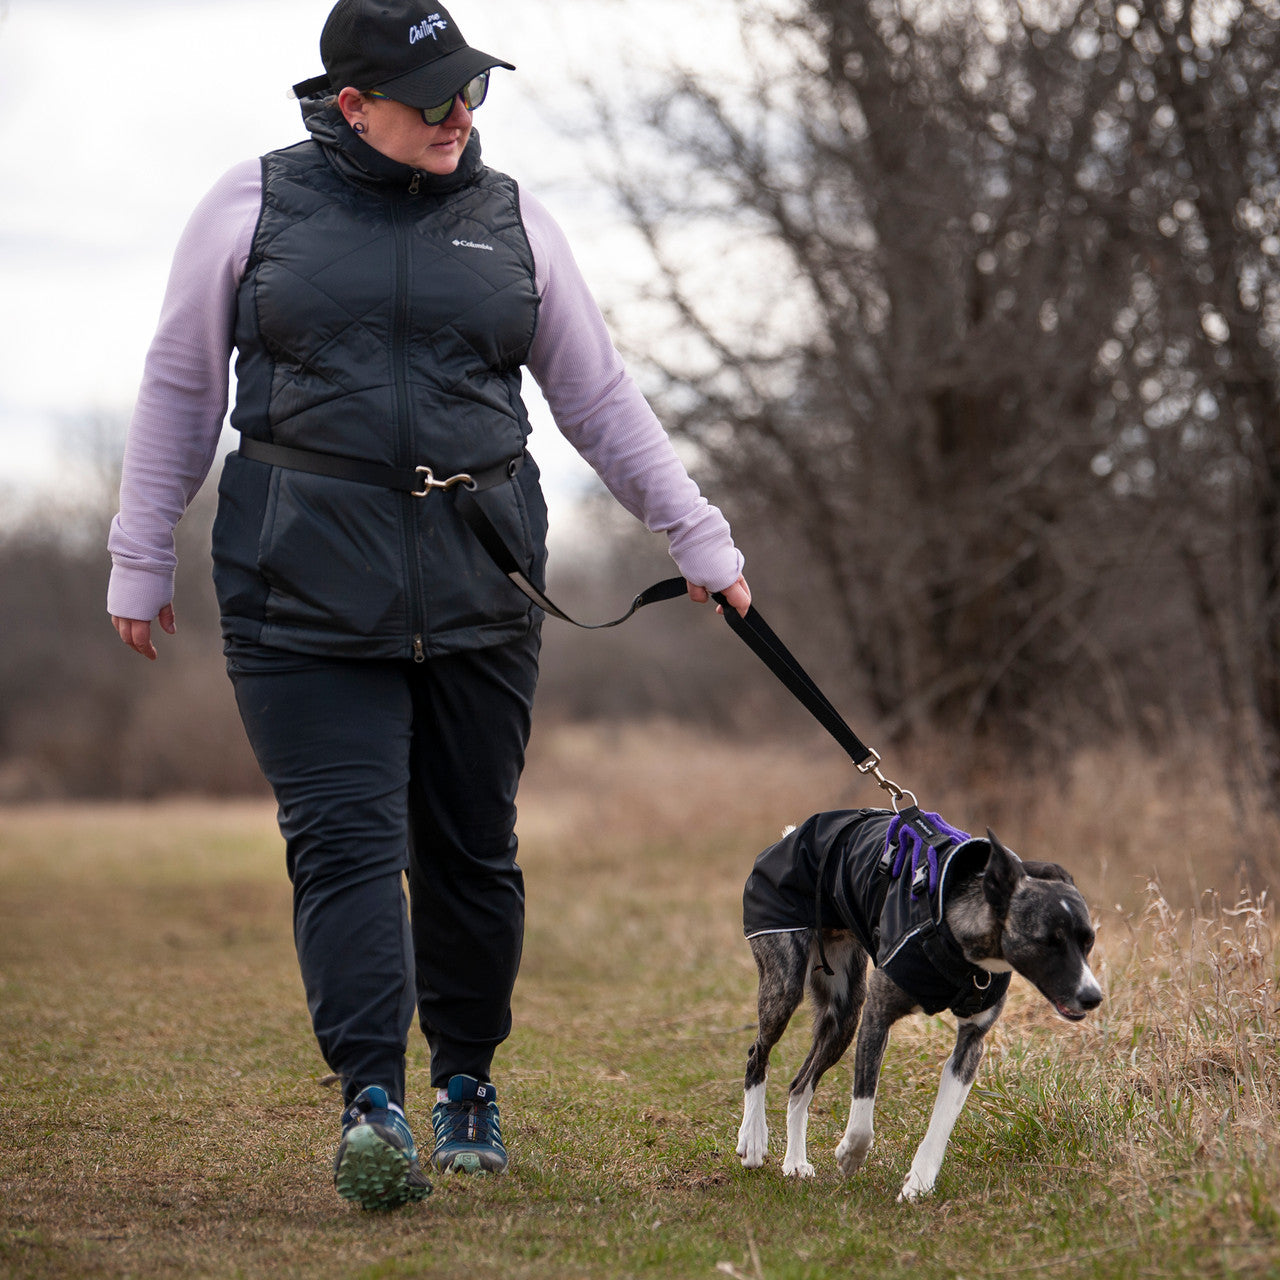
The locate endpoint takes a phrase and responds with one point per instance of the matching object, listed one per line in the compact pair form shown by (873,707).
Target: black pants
(380,768)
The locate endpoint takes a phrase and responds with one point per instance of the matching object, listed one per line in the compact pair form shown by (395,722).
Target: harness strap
(823,963)
(874,906)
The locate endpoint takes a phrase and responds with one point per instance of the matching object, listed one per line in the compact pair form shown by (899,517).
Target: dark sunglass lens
(473,94)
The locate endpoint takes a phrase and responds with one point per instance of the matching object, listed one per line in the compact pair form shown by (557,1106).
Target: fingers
(738,595)
(136,632)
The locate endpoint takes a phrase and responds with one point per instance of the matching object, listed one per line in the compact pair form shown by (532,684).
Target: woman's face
(400,132)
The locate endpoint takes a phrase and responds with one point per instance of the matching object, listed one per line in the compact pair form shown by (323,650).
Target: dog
(945,918)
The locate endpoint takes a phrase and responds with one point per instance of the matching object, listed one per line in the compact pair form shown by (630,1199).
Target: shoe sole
(374,1174)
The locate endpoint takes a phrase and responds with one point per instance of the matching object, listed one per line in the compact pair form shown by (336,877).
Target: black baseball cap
(410,50)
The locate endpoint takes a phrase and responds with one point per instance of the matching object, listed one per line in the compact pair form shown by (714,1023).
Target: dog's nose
(1090,996)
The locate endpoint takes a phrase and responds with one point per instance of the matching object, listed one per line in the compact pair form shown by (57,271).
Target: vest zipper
(404,427)
(413,186)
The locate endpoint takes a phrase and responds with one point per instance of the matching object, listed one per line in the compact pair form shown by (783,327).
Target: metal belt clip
(430,482)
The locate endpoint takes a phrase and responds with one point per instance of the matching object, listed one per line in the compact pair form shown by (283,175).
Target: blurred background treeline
(966,314)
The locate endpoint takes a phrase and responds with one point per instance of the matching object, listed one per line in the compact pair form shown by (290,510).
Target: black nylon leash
(761,639)
(751,629)
(473,514)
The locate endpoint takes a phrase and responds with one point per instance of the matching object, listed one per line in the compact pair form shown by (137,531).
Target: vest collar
(366,166)
(943,950)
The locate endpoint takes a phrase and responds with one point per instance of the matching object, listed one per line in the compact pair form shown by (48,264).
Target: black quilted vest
(383,315)
(901,930)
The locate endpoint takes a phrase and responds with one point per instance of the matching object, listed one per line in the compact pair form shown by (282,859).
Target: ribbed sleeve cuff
(138,593)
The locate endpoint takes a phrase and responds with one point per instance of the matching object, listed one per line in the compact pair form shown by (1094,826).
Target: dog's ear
(1001,877)
(1047,871)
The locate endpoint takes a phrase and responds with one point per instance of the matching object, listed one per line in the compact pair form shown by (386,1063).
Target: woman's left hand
(738,595)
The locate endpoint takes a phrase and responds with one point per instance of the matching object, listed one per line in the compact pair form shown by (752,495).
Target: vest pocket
(462,586)
(324,553)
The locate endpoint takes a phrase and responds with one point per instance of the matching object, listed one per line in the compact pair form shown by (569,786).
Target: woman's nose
(459,117)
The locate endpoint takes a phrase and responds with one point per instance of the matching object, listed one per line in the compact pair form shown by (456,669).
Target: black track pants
(384,767)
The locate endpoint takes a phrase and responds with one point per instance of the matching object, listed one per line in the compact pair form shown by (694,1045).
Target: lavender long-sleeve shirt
(173,435)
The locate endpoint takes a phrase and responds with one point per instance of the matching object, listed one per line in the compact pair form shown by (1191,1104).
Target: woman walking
(382,289)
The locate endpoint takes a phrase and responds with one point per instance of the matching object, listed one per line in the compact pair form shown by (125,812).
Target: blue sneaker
(377,1162)
(468,1138)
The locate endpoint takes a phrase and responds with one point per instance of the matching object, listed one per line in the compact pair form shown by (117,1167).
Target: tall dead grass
(1195,1010)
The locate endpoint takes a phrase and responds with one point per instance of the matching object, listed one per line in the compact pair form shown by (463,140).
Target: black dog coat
(832,872)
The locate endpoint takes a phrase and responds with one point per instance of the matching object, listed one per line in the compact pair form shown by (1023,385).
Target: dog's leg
(886,1003)
(837,1001)
(958,1075)
(780,961)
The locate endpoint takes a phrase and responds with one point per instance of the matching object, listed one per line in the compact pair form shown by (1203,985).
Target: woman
(382,289)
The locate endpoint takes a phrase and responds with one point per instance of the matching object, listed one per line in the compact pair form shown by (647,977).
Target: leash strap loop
(473,514)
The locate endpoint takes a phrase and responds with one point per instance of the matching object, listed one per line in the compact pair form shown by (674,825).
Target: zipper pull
(418,655)
(413,186)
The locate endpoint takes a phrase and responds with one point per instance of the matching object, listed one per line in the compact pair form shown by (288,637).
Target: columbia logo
(471,244)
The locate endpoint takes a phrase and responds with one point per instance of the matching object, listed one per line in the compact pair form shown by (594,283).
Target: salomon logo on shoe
(467,1129)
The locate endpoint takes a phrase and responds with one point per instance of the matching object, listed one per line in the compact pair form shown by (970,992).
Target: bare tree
(954,406)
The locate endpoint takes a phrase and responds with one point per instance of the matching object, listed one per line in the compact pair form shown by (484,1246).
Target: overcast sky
(121,115)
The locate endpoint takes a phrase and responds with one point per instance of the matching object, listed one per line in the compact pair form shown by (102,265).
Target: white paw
(851,1154)
(753,1132)
(797,1169)
(914,1188)
(753,1145)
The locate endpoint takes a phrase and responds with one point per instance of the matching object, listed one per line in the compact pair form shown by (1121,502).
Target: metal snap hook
(429,481)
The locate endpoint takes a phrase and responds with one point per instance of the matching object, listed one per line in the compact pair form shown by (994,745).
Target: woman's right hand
(137,634)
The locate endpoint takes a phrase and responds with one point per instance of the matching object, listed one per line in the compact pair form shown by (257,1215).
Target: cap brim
(438,81)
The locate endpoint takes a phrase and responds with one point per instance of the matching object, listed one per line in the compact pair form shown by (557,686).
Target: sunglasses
(472,93)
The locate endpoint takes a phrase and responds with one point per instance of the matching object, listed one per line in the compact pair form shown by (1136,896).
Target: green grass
(162,1112)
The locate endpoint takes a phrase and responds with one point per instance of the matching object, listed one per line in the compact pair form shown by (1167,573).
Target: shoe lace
(468,1121)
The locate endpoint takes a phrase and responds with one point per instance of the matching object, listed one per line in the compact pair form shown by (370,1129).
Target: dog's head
(1045,931)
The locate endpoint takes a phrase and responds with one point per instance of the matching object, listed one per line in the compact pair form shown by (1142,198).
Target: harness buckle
(430,482)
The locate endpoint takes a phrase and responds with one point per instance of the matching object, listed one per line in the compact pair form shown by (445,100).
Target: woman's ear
(353,105)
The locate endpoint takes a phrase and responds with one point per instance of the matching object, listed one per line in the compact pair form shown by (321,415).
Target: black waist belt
(418,481)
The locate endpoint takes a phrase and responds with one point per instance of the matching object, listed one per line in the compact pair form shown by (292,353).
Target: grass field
(162,1112)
